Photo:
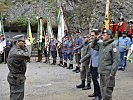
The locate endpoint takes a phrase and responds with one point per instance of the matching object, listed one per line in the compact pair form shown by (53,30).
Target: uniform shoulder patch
(114,49)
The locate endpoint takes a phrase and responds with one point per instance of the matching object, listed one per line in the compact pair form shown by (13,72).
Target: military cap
(130,21)
(109,32)
(19,37)
(121,18)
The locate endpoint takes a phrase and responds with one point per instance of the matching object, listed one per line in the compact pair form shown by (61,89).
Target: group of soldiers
(90,52)
(96,54)
(5,45)
(65,50)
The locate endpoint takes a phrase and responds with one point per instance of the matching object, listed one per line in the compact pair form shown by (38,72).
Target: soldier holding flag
(40,38)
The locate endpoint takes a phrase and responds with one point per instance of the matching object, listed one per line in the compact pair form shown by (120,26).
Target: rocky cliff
(117,8)
(83,14)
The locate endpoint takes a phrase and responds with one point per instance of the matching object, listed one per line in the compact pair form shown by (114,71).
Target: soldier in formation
(70,52)
(78,41)
(8,47)
(85,60)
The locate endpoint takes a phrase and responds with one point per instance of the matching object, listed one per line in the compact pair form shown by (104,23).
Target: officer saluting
(108,64)
(17,67)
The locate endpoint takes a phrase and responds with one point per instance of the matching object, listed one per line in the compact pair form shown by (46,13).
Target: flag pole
(107,15)
(4,56)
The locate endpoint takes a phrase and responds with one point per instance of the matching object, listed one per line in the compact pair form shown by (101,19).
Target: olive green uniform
(108,64)
(17,67)
(85,60)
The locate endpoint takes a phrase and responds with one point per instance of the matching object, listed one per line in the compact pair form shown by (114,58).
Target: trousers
(107,85)
(16,92)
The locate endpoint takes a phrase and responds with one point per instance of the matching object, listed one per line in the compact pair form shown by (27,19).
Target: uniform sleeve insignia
(115,49)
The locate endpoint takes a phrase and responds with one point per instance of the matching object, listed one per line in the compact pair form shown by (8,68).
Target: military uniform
(46,50)
(17,67)
(121,27)
(85,71)
(60,54)
(40,51)
(78,42)
(53,51)
(130,30)
(107,66)
(65,56)
(9,45)
(70,53)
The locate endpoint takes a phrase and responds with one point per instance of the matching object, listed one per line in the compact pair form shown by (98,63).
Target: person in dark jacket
(17,67)
(108,63)
(9,45)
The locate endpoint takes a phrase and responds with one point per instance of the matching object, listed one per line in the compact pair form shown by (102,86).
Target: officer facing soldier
(17,67)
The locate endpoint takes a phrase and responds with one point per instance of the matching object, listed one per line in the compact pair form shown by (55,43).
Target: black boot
(75,69)
(61,63)
(65,65)
(78,70)
(45,60)
(82,85)
(71,66)
(87,87)
(68,67)
(54,62)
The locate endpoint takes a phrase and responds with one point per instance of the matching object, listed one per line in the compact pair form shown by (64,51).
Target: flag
(29,33)
(2,32)
(107,15)
(49,29)
(40,33)
(61,25)
(130,54)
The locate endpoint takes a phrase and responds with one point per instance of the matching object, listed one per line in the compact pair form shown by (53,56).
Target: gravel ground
(47,82)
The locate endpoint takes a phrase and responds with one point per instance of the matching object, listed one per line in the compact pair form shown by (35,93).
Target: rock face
(82,14)
(77,12)
(117,8)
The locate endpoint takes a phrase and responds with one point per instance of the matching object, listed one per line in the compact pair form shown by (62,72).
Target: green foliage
(20,21)
(23,22)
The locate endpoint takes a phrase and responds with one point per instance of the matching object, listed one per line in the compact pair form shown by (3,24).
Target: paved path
(46,82)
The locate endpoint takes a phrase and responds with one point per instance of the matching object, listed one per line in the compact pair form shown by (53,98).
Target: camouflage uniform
(108,64)
(17,67)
